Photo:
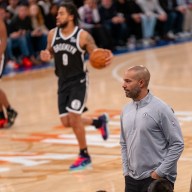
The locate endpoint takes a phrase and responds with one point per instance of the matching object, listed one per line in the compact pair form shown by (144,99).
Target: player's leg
(11,113)
(76,123)
(3,120)
(75,107)
(100,123)
(3,99)
(64,120)
(74,120)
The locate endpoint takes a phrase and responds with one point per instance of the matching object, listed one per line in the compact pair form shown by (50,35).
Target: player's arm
(3,36)
(47,54)
(88,43)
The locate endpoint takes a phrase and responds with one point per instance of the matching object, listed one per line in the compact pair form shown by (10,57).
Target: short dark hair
(72,10)
(160,185)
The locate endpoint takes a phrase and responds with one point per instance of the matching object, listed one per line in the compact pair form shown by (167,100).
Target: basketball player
(8,119)
(67,44)
(151,139)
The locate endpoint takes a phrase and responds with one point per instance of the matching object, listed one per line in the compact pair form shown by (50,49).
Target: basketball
(97,58)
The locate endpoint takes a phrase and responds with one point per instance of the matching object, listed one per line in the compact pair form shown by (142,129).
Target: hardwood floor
(36,152)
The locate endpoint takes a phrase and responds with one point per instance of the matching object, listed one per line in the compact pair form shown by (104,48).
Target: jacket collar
(145,101)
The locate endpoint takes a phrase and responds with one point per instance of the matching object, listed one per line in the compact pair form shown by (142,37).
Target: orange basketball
(97,58)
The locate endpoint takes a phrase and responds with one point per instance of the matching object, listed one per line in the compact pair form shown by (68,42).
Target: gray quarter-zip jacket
(151,139)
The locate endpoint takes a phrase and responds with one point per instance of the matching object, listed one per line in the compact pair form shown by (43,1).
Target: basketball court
(36,152)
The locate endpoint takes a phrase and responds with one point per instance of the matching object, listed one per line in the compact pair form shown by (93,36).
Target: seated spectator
(89,15)
(115,23)
(9,16)
(175,16)
(134,14)
(50,18)
(12,6)
(39,32)
(180,10)
(161,185)
(19,37)
(45,6)
(152,12)
(90,21)
(187,27)
(166,29)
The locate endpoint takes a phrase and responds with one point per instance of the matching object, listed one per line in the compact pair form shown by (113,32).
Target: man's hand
(109,58)
(136,17)
(45,55)
(154,175)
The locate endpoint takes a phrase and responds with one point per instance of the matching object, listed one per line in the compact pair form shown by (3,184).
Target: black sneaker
(104,129)
(12,114)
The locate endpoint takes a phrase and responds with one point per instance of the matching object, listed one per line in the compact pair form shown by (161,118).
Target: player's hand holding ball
(100,58)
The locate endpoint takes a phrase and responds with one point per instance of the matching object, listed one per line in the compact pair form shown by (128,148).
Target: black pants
(133,185)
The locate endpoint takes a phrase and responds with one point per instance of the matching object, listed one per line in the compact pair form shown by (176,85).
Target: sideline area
(119,50)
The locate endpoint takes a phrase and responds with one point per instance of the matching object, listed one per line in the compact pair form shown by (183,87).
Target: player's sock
(2,116)
(84,152)
(97,123)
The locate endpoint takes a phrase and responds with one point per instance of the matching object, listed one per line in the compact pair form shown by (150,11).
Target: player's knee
(74,121)
(65,122)
(74,124)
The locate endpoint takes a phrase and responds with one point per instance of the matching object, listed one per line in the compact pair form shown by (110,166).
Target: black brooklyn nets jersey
(68,55)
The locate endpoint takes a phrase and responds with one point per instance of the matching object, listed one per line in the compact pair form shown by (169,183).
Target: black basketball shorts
(72,96)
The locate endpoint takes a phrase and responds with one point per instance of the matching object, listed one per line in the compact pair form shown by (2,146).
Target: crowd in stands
(112,23)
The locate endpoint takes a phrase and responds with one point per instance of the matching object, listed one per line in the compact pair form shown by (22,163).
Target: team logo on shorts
(76,104)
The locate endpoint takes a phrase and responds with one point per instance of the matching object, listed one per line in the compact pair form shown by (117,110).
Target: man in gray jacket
(151,139)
